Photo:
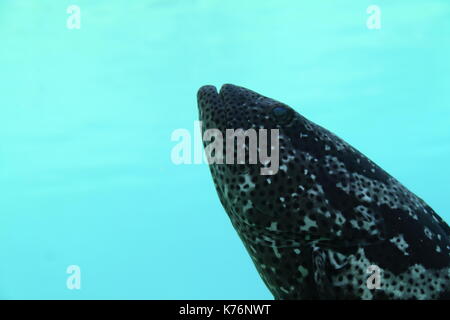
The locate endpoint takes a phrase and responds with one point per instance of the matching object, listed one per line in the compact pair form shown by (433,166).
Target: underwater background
(86,118)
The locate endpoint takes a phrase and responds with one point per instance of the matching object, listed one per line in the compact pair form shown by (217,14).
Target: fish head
(267,200)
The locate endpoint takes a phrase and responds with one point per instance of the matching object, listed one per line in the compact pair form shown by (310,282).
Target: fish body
(330,223)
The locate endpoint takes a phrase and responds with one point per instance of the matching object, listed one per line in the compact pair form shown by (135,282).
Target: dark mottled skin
(314,227)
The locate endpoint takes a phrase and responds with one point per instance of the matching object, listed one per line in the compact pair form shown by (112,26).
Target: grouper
(328,223)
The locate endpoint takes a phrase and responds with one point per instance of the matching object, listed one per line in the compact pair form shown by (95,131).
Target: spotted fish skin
(314,228)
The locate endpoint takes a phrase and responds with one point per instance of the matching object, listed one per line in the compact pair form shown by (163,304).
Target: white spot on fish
(247,206)
(400,243)
(428,233)
(273,226)
(303,271)
(308,224)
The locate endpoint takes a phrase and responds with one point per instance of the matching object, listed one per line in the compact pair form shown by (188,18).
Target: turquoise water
(86,117)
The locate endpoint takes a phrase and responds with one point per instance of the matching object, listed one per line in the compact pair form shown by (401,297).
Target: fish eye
(282,113)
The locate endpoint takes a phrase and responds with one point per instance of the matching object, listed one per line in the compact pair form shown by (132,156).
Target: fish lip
(220,94)
(204,88)
(210,89)
(227,86)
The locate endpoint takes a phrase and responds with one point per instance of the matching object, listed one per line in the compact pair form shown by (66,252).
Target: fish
(329,224)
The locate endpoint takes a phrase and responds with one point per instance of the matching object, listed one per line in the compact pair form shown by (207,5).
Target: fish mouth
(212,105)
(208,100)
(205,93)
(211,100)
(208,94)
